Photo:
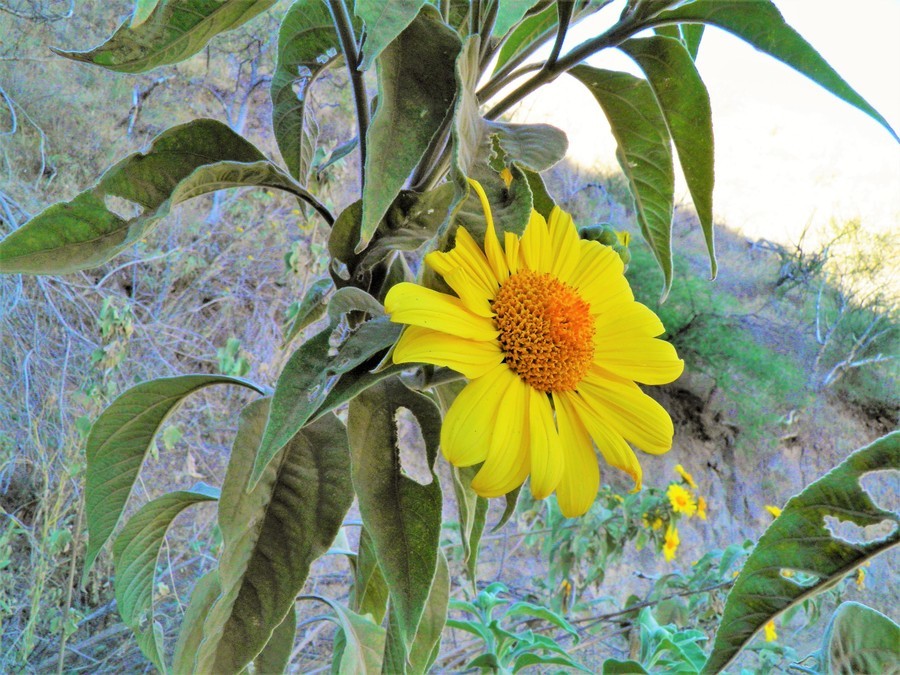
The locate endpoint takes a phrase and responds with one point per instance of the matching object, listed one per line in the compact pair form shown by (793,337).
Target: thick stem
(342,23)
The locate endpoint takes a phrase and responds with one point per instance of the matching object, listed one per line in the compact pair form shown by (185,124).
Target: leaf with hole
(799,539)
(173,31)
(119,441)
(272,533)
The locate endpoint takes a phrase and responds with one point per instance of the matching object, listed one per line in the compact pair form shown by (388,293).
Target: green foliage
(859,640)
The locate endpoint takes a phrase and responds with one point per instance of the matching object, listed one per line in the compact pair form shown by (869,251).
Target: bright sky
(787,151)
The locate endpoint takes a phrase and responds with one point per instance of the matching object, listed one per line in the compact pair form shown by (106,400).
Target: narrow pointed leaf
(173,31)
(369,594)
(543,202)
(307,44)
(860,640)
(512,500)
(684,102)
(760,24)
(311,308)
(135,552)
(425,647)
(472,515)
(272,533)
(363,641)
(415,94)
(276,654)
(205,592)
(118,442)
(384,20)
(402,516)
(800,540)
(183,162)
(534,29)
(644,153)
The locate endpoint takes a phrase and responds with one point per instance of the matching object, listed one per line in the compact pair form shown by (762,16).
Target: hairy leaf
(799,539)
(135,552)
(543,202)
(472,515)
(363,640)
(183,162)
(307,44)
(276,654)
(425,647)
(402,516)
(118,442)
(535,146)
(369,594)
(416,89)
(684,102)
(617,667)
(205,592)
(384,20)
(311,308)
(860,640)
(760,23)
(173,31)
(644,153)
(272,533)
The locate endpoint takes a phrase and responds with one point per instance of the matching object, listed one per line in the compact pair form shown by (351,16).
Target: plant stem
(342,23)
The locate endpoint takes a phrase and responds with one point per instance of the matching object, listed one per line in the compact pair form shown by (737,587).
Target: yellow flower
(688,478)
(672,542)
(771,635)
(774,510)
(682,501)
(701,508)
(861,578)
(295,212)
(548,332)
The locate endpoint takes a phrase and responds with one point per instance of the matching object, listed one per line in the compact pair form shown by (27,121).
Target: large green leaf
(310,309)
(472,515)
(684,102)
(384,20)
(205,592)
(760,23)
(644,153)
(415,94)
(307,44)
(402,516)
(533,30)
(174,31)
(312,372)
(860,640)
(276,654)
(135,552)
(369,594)
(799,539)
(509,13)
(183,162)
(272,533)
(363,640)
(118,442)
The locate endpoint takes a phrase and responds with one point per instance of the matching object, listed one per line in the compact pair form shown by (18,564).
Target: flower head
(681,500)
(548,332)
(861,579)
(774,510)
(701,508)
(670,547)
(685,476)
(771,634)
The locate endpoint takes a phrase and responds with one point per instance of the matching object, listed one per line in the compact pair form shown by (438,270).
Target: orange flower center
(546,330)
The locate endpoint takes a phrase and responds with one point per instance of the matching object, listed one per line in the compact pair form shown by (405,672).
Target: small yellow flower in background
(774,510)
(670,548)
(787,573)
(861,579)
(547,330)
(701,508)
(239,229)
(682,501)
(771,634)
(269,193)
(688,478)
(250,258)
(295,212)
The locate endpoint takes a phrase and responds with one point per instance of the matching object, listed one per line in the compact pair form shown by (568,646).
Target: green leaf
(402,516)
(119,441)
(307,44)
(543,202)
(414,97)
(684,102)
(534,29)
(174,31)
(644,153)
(364,640)
(532,659)
(142,11)
(183,162)
(205,592)
(472,515)
(692,33)
(272,533)
(425,647)
(276,654)
(509,13)
(860,640)
(530,609)
(617,667)
(384,20)
(535,146)
(800,540)
(311,308)
(760,23)
(135,552)
(369,594)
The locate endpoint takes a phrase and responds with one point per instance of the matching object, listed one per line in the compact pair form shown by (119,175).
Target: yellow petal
(469,423)
(580,481)
(547,461)
(629,321)
(512,252)
(600,279)
(419,306)
(469,293)
(642,359)
(565,244)
(491,243)
(610,443)
(507,463)
(627,410)
(469,357)
(535,244)
(467,255)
